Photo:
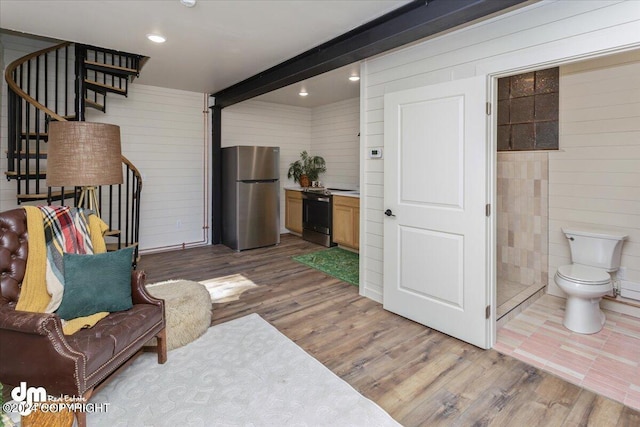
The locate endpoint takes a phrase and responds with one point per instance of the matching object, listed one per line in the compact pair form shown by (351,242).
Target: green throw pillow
(95,283)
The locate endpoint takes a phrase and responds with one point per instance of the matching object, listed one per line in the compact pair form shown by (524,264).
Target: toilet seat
(583,275)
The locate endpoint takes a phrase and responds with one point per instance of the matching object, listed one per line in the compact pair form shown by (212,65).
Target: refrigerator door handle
(257,181)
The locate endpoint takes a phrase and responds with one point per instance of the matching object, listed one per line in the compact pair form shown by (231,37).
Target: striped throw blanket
(52,231)
(65,230)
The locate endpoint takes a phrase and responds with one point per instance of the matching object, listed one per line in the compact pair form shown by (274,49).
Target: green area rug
(336,262)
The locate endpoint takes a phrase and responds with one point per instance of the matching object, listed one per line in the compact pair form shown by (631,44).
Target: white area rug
(240,373)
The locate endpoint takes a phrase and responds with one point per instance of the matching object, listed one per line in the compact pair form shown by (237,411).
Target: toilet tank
(595,247)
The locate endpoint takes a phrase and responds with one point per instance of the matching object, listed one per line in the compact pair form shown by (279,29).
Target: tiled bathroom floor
(607,363)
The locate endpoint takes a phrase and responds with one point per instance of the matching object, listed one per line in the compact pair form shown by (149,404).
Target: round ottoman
(187,307)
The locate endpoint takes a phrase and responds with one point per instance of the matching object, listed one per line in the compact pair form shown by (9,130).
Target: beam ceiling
(414,21)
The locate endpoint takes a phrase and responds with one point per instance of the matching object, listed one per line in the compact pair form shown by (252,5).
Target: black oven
(317,211)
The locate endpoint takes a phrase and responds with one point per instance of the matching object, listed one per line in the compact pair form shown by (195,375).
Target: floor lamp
(84,154)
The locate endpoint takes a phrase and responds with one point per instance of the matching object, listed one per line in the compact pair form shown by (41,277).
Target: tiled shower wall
(522,235)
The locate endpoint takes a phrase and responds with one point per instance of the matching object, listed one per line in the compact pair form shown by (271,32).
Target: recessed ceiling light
(303,93)
(188,3)
(354,78)
(156,38)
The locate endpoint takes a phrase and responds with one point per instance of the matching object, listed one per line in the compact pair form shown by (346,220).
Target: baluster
(11,128)
(56,85)
(36,130)
(66,80)
(127,219)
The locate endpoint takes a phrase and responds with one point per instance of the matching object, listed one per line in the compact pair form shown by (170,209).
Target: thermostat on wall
(375,153)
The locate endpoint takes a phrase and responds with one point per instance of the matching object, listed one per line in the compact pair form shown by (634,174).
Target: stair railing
(31,103)
(126,219)
(41,89)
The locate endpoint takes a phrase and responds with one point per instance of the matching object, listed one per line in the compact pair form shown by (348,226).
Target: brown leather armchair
(32,346)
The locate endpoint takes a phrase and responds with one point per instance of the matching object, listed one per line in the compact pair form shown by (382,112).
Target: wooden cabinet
(293,211)
(346,221)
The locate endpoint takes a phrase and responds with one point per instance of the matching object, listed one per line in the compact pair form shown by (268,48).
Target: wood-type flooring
(421,377)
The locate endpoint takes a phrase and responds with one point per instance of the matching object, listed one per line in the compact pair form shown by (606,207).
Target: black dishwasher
(317,212)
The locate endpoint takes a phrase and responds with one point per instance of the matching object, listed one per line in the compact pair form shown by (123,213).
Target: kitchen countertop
(346,193)
(351,193)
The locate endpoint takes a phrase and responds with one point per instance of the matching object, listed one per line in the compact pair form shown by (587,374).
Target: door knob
(388,212)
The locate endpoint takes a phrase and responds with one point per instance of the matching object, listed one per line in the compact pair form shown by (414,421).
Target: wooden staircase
(59,83)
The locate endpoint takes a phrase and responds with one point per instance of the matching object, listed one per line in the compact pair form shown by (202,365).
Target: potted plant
(306,169)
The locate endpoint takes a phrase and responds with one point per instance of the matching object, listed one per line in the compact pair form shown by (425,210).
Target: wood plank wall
(329,130)
(334,136)
(540,33)
(594,180)
(165,135)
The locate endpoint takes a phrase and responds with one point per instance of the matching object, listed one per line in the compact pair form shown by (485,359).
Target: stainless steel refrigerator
(250,197)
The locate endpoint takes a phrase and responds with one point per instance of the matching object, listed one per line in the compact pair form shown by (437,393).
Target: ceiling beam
(406,24)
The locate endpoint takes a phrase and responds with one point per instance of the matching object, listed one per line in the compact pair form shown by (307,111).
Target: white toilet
(594,254)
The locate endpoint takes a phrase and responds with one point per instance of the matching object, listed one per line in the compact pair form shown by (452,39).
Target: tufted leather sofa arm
(139,293)
(34,349)
(27,322)
(14,248)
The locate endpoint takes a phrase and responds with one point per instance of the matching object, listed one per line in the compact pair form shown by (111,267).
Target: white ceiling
(209,47)
(327,88)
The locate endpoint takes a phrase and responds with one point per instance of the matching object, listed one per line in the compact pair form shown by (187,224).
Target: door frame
(492,150)
(492,76)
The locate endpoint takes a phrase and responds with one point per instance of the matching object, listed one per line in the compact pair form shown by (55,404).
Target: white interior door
(435,194)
